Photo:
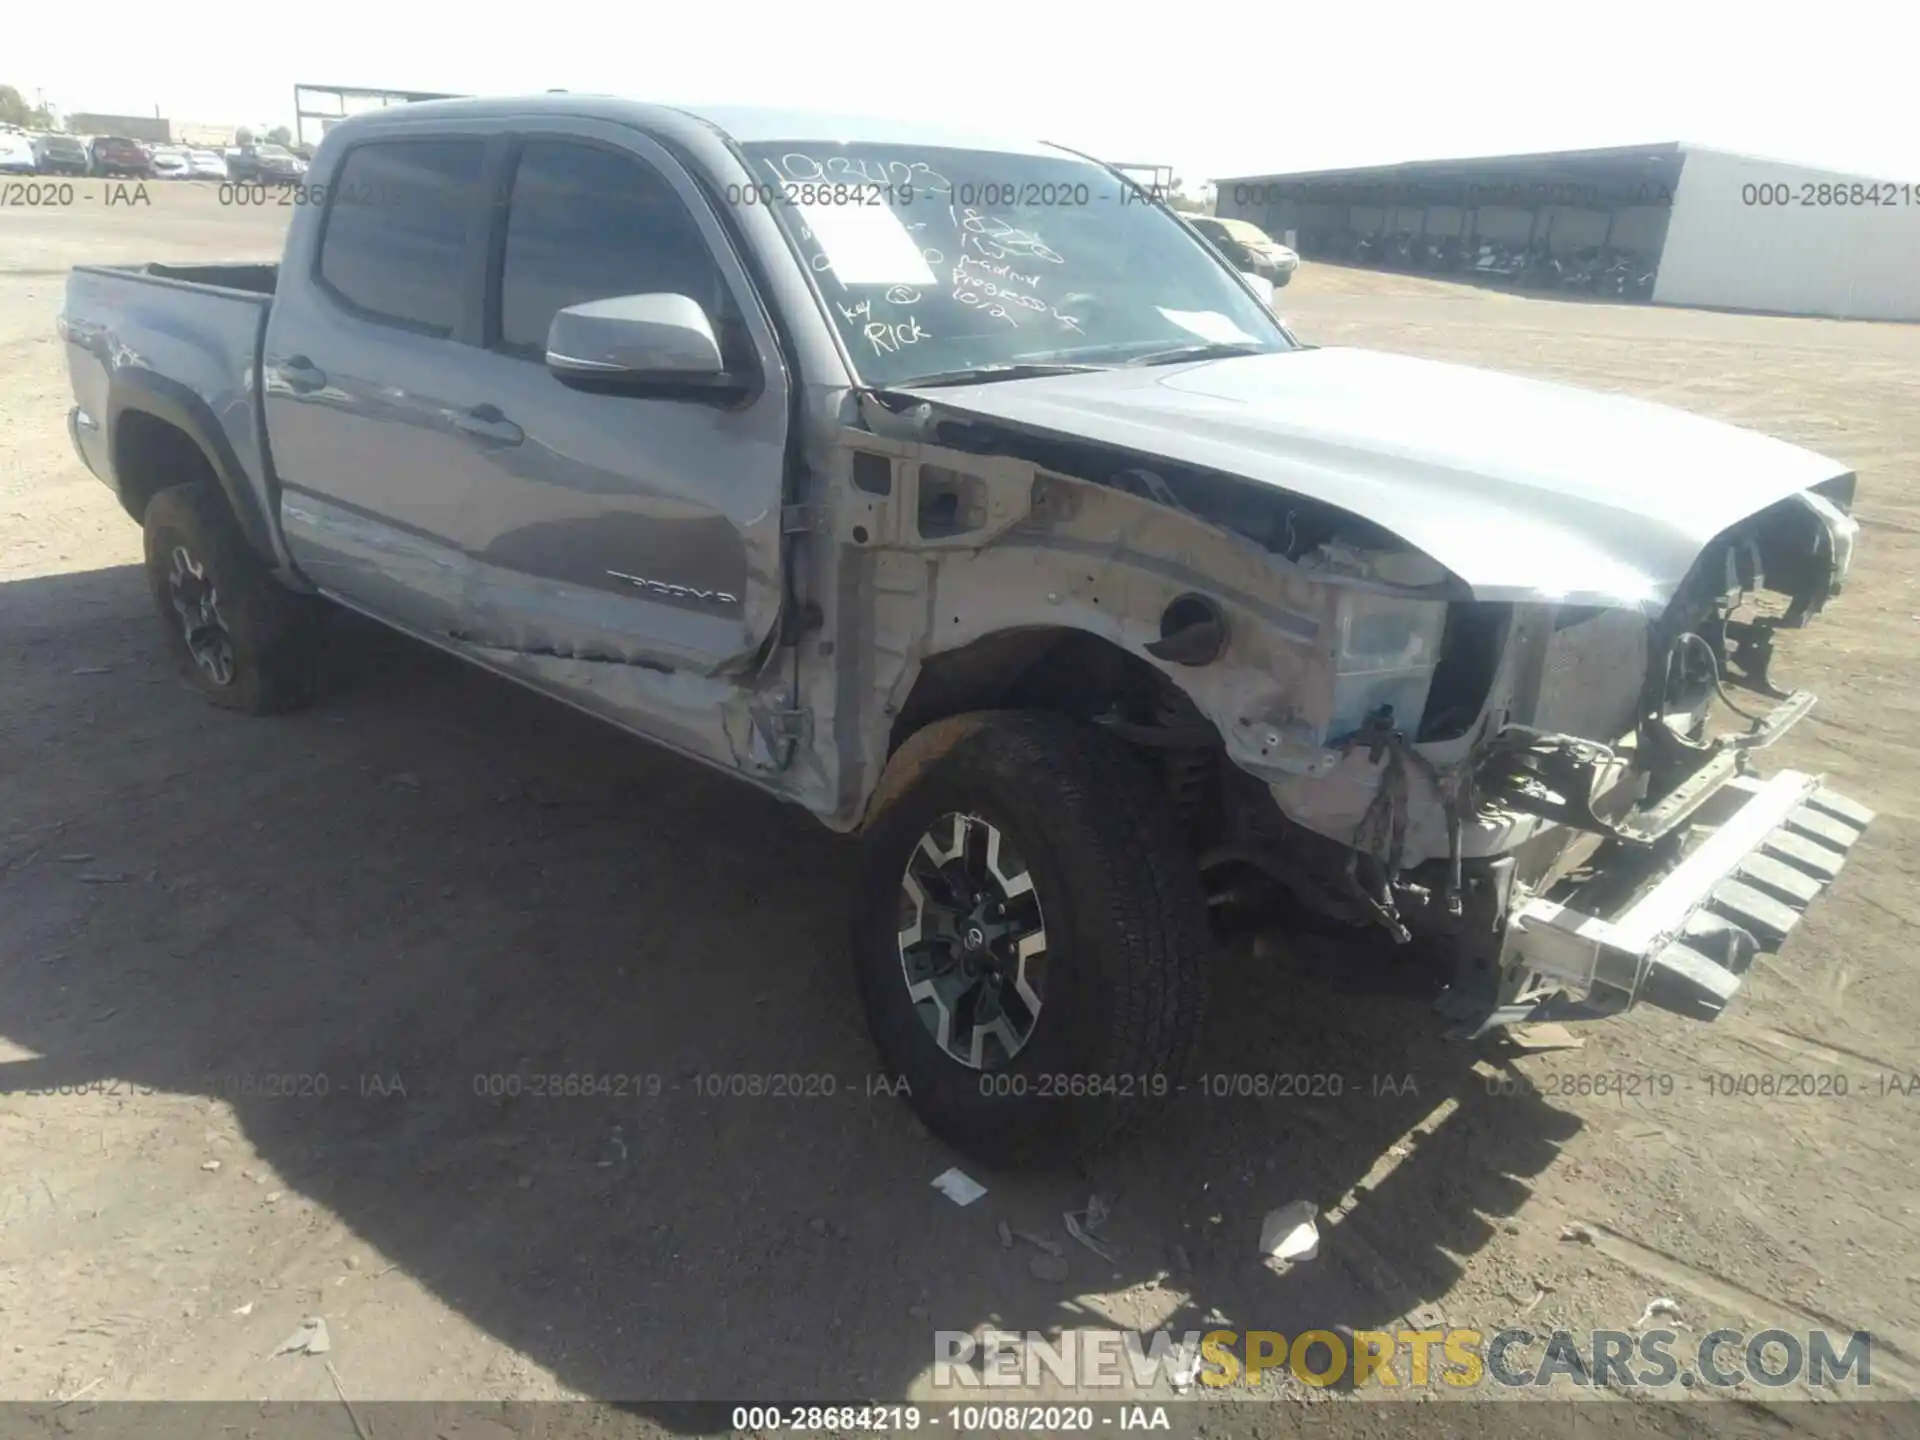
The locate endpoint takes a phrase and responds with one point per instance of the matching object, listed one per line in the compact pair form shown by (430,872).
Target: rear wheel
(240,638)
(1031,943)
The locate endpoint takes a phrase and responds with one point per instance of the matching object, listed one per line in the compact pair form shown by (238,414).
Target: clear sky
(1212,89)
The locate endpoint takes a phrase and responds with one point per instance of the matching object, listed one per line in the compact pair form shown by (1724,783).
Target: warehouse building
(202,135)
(151,128)
(1694,225)
(318,108)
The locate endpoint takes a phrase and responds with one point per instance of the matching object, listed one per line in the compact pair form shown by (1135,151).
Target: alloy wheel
(197,602)
(973,941)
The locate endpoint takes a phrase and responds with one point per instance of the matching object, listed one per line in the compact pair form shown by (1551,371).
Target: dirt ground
(434,878)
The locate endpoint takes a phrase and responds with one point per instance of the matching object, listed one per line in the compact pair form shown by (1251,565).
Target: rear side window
(589,224)
(396,235)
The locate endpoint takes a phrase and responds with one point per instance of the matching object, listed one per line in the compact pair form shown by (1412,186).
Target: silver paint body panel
(1528,491)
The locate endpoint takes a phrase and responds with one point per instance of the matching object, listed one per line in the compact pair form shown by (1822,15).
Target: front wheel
(1030,948)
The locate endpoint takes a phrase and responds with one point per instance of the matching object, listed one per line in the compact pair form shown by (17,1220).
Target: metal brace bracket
(799,519)
(785,730)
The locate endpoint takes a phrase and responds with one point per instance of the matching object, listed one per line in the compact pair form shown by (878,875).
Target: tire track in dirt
(1896,1354)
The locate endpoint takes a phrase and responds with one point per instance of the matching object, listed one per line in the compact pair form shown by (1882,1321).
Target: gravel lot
(434,878)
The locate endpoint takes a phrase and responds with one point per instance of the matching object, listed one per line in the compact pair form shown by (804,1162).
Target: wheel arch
(161,434)
(1054,669)
(1037,667)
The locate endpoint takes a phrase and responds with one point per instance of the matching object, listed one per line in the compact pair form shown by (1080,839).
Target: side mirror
(1260,286)
(660,345)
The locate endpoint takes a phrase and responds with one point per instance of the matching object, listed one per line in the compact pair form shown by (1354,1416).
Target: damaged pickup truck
(963,494)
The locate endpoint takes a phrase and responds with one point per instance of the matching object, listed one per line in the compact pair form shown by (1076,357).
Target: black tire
(268,630)
(1125,929)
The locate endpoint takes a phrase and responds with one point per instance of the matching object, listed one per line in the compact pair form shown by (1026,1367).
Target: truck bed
(186,340)
(254,278)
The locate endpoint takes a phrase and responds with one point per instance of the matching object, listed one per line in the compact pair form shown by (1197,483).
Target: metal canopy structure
(1707,227)
(318,108)
(1156,178)
(1644,174)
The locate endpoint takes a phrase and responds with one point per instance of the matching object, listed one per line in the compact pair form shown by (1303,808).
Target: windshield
(940,262)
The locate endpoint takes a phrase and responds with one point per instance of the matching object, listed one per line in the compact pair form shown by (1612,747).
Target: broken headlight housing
(1385,649)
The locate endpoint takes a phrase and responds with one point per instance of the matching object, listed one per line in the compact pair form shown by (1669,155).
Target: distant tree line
(14,110)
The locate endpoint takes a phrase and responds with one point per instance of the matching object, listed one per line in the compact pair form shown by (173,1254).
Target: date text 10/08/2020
(1150,1085)
(987,193)
(1003,1085)
(706,1085)
(962,1419)
(64,194)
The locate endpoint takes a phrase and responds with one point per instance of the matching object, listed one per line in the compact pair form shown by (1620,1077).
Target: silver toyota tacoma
(962,493)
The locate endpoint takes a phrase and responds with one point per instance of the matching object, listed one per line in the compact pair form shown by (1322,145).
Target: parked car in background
(254,163)
(17,155)
(1249,247)
(207,165)
(170,163)
(117,155)
(62,154)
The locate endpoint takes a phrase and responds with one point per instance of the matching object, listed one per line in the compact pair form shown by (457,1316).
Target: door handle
(300,374)
(486,423)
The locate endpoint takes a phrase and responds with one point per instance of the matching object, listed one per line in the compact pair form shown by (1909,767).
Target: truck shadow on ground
(447,896)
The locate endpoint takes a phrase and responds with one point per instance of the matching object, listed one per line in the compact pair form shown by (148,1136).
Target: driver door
(652,523)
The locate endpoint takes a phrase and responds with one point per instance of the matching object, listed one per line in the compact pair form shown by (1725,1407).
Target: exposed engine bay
(1430,761)
(1621,687)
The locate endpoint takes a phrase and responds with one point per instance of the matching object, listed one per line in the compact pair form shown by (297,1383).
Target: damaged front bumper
(1686,943)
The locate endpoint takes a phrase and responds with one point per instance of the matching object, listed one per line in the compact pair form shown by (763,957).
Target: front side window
(590,224)
(395,241)
(936,261)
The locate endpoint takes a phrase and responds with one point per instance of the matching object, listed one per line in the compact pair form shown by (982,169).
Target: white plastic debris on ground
(1083,1225)
(1660,1306)
(1289,1233)
(958,1186)
(310,1339)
